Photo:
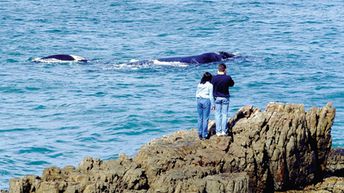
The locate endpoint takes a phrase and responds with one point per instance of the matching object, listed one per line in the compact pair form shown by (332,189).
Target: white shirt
(205,91)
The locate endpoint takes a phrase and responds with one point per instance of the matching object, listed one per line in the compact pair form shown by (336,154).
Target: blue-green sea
(55,114)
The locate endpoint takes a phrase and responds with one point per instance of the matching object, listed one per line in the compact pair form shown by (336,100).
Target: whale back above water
(204,58)
(200,59)
(61,58)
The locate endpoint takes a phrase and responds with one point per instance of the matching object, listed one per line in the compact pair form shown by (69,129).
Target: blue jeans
(221,114)
(203,110)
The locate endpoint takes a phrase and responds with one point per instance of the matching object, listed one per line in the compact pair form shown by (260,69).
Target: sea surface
(55,114)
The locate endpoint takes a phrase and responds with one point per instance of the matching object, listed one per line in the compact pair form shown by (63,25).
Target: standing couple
(213,93)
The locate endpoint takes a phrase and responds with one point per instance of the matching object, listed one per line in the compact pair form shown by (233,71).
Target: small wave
(122,66)
(134,64)
(35,150)
(38,163)
(15,130)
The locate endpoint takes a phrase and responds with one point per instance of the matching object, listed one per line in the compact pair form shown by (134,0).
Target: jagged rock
(279,145)
(280,148)
(335,163)
(328,185)
(92,176)
(26,184)
(276,148)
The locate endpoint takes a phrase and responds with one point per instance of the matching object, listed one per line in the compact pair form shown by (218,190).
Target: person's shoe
(221,134)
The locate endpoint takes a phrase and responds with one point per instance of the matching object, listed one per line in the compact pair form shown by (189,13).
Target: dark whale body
(200,59)
(61,58)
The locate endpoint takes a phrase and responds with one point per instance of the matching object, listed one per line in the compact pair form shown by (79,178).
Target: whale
(200,59)
(61,58)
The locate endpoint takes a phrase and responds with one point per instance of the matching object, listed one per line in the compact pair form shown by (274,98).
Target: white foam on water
(122,66)
(176,64)
(133,60)
(135,64)
(78,58)
(236,53)
(54,60)
(50,60)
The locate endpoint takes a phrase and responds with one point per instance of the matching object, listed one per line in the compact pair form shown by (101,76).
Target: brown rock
(328,185)
(335,163)
(281,148)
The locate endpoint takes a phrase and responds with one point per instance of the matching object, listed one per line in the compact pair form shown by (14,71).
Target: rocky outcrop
(281,148)
(92,175)
(335,163)
(328,185)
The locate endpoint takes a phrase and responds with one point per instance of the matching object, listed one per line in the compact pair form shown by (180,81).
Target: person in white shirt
(205,102)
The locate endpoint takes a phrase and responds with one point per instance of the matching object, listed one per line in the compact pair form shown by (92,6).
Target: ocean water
(55,114)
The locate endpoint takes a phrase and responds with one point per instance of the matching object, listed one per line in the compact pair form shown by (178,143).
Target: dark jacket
(221,84)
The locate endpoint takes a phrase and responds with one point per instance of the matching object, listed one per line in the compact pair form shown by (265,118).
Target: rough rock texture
(92,175)
(335,163)
(281,148)
(182,163)
(328,185)
(334,173)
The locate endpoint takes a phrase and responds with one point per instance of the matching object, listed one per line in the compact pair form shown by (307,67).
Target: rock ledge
(279,149)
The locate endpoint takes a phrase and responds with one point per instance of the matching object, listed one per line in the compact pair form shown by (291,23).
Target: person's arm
(231,81)
(197,91)
(211,96)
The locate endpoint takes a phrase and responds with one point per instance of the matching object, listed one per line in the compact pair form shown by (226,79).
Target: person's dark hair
(206,77)
(222,67)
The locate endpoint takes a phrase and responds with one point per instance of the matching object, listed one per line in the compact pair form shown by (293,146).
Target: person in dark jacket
(221,83)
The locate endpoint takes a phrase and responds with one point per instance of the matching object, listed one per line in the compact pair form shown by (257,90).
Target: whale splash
(60,58)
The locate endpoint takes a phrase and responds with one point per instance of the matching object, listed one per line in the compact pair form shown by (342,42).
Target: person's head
(226,55)
(221,67)
(206,77)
